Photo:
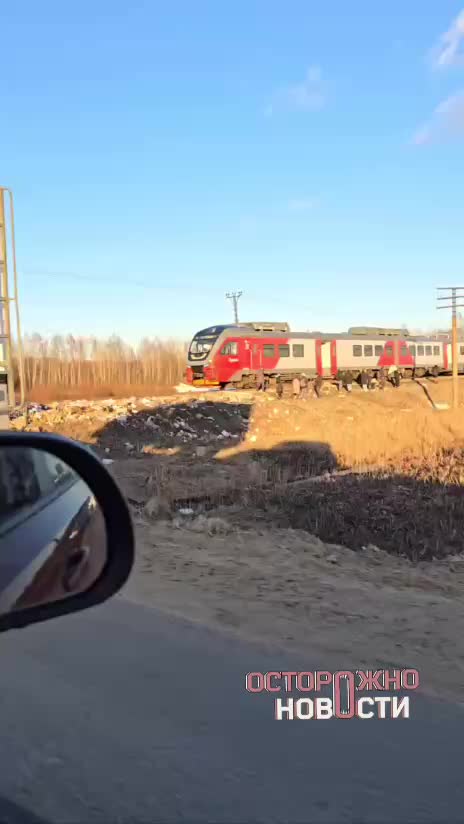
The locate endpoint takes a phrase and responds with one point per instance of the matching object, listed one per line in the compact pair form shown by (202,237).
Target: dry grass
(378,429)
(89,391)
(396,464)
(68,368)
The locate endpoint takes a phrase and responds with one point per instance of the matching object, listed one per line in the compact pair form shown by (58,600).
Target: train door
(333,357)
(256,355)
(446,356)
(324,357)
(460,348)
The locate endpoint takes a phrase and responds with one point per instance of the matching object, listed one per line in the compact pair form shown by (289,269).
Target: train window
(404,352)
(357,351)
(284,350)
(428,350)
(368,350)
(269,350)
(436,350)
(420,350)
(378,351)
(230,348)
(389,350)
(412,350)
(298,350)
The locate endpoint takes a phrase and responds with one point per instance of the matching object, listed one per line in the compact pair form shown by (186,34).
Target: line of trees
(67,362)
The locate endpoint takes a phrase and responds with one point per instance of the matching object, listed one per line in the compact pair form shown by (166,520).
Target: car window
(53,472)
(19,480)
(27,475)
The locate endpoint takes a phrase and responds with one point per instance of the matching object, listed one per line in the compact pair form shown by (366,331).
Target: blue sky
(307,153)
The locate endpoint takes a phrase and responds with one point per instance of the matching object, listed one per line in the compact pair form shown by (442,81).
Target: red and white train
(233,354)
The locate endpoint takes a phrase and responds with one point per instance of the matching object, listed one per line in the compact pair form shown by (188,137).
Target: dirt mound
(132,424)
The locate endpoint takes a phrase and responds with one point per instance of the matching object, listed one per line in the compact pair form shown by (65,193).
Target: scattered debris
(155,507)
(131,425)
(202,523)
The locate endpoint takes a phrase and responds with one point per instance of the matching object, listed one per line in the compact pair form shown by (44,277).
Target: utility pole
(234,297)
(452,295)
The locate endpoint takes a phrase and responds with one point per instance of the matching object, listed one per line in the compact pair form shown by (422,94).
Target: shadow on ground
(418,512)
(185,425)
(401,515)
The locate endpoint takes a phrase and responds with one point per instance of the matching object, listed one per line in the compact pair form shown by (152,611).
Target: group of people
(344,380)
(300,385)
(367,381)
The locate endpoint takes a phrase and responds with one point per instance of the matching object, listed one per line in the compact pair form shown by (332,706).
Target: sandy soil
(286,587)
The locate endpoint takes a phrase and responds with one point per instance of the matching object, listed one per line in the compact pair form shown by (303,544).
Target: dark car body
(46,516)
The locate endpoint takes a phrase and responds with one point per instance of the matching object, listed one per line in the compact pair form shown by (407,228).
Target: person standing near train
(381,378)
(304,387)
(260,380)
(279,387)
(296,387)
(318,384)
(394,376)
(348,381)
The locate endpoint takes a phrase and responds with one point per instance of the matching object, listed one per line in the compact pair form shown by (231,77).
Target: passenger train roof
(242,331)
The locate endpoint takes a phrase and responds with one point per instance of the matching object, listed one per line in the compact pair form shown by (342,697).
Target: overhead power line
(126,281)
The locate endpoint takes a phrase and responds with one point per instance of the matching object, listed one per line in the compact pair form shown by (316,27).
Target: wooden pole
(454,349)
(451,296)
(5,305)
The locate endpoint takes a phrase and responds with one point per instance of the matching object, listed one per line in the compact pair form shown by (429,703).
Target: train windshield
(199,348)
(203,342)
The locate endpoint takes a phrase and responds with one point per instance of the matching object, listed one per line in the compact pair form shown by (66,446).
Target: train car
(233,354)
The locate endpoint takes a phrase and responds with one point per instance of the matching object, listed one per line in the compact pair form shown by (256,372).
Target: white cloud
(447,122)
(449,50)
(309,95)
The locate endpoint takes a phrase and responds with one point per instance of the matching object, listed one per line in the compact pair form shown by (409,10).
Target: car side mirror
(66,536)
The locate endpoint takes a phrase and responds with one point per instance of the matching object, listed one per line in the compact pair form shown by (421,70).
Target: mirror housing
(119,551)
